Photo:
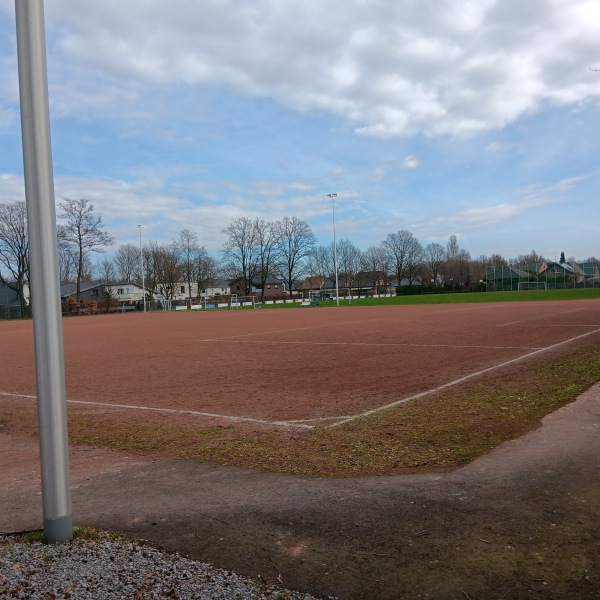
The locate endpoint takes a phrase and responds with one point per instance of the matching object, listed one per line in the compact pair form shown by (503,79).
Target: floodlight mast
(43,252)
(142,269)
(335,264)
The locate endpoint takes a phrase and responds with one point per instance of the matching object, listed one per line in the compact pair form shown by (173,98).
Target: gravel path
(105,568)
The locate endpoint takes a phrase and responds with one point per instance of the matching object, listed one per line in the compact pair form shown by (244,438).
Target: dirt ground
(521,522)
(290,366)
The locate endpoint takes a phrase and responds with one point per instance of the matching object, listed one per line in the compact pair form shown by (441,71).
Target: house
(554,269)
(118,296)
(10,304)
(372,283)
(8,296)
(216,287)
(589,269)
(316,283)
(579,271)
(365,283)
(275,287)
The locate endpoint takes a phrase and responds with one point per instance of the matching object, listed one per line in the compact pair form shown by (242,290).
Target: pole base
(57,531)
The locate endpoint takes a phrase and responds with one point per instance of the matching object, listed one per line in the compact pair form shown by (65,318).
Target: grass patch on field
(433,433)
(456,298)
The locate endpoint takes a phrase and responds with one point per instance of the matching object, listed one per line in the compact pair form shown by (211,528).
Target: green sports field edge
(458,298)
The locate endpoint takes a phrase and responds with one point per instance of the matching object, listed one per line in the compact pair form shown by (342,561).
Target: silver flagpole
(45,288)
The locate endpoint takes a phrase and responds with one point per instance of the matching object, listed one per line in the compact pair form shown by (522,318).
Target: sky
(474,118)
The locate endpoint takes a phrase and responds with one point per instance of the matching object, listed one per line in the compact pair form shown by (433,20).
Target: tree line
(253,250)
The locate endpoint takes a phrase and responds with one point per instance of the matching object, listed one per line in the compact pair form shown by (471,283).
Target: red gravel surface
(302,364)
(520,522)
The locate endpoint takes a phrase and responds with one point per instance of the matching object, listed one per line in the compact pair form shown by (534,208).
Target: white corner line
(195,413)
(456,381)
(303,424)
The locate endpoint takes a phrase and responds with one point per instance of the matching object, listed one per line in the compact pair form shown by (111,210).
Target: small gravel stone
(105,568)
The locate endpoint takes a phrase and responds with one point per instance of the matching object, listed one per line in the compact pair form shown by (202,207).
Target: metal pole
(335,265)
(45,297)
(142,263)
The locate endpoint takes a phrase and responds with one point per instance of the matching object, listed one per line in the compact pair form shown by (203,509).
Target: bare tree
(533,258)
(414,261)
(67,262)
(458,262)
(106,273)
(376,265)
(433,258)
(14,250)
(400,249)
(166,268)
(240,255)
(151,268)
(349,262)
(127,262)
(82,231)
(320,262)
(452,248)
(266,235)
(497,260)
(479,267)
(187,245)
(296,241)
(206,271)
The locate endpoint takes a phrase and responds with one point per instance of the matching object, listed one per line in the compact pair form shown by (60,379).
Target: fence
(550,276)
(10,312)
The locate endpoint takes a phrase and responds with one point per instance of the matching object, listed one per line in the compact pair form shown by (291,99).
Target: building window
(183,289)
(94,293)
(120,291)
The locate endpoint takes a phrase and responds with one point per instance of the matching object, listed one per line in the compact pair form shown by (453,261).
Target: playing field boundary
(459,380)
(172,411)
(327,421)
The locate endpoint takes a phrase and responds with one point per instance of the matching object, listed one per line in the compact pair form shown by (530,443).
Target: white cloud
(533,197)
(12,188)
(170,113)
(162,213)
(410,162)
(390,69)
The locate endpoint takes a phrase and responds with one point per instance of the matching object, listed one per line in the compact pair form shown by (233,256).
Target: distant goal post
(532,285)
(242,301)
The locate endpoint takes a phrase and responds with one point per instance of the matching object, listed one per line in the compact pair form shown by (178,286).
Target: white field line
(554,325)
(322,325)
(277,343)
(279,331)
(319,419)
(459,380)
(303,423)
(540,317)
(296,424)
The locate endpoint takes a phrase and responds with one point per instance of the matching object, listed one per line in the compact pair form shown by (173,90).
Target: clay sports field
(296,368)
